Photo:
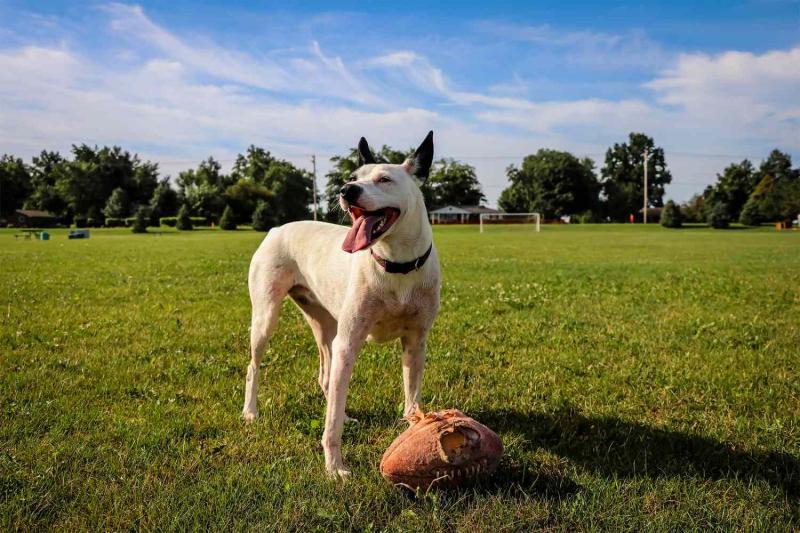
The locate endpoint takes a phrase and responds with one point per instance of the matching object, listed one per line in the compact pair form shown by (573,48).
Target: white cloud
(747,94)
(316,74)
(179,99)
(630,49)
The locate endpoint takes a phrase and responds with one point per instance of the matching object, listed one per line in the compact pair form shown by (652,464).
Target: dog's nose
(350,192)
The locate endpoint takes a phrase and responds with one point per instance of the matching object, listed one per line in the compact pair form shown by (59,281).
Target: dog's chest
(401,312)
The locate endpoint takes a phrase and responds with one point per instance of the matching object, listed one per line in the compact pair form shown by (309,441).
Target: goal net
(521,220)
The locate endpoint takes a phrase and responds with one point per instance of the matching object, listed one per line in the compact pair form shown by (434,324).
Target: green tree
(228,220)
(694,209)
(552,183)
(452,182)
(262,217)
(749,215)
(671,216)
(288,189)
(778,165)
(776,197)
(733,187)
(164,202)
(202,189)
(244,195)
(141,220)
(118,205)
(719,216)
(15,184)
(293,190)
(344,166)
(94,173)
(623,176)
(184,222)
(253,166)
(47,169)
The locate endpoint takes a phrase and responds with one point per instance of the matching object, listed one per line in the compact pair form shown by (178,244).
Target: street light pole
(314,163)
(646,159)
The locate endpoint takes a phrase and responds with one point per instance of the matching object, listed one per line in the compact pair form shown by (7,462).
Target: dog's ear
(420,164)
(365,156)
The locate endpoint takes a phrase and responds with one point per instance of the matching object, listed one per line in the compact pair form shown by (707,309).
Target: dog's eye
(384,179)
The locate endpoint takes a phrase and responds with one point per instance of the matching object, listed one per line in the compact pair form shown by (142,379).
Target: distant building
(33,218)
(459,214)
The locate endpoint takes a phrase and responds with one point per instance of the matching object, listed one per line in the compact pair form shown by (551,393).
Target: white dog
(379,281)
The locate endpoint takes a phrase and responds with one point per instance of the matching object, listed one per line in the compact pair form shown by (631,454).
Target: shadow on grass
(512,480)
(611,446)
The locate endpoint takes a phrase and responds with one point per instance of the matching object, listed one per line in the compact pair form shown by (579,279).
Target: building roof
(479,209)
(34,213)
(464,210)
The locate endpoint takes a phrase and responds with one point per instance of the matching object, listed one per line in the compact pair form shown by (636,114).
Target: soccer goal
(493,219)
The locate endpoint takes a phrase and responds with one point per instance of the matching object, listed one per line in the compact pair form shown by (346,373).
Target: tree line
(98,185)
(104,186)
(749,195)
(556,183)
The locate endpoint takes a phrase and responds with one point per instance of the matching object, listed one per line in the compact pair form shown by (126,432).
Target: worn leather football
(441,449)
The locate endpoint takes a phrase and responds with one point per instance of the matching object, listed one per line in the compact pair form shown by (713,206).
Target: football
(441,449)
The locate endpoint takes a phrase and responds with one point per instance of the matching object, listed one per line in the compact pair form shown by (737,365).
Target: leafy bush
(130,221)
(79,222)
(719,217)
(184,221)
(228,220)
(200,221)
(587,217)
(671,216)
(168,221)
(140,220)
(262,218)
(118,204)
(750,215)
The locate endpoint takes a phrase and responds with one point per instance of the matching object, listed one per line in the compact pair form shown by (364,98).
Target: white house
(459,214)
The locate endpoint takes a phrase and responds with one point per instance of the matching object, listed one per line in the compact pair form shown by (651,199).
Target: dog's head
(378,195)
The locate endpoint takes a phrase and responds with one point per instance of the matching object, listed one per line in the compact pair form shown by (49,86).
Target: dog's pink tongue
(359,236)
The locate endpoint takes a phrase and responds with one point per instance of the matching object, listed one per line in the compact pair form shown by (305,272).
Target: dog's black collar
(401,268)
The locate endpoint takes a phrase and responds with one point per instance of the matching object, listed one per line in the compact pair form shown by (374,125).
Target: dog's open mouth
(368,226)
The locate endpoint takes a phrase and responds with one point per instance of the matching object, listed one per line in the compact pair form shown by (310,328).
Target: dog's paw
(340,473)
(249,416)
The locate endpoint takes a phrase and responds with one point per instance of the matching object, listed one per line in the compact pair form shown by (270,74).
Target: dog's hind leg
(267,291)
(323,326)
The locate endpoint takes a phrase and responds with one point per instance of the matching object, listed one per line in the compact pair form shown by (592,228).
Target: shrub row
(172,221)
(112,222)
(83,222)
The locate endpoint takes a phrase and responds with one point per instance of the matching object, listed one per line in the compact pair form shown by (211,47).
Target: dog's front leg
(413,368)
(350,337)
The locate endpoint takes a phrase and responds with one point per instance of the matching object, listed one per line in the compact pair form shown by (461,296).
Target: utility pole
(314,163)
(646,159)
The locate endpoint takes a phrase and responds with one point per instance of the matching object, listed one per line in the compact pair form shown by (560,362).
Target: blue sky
(713,82)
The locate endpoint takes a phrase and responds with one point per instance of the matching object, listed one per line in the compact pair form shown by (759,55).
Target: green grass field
(640,378)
